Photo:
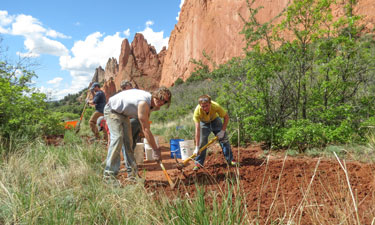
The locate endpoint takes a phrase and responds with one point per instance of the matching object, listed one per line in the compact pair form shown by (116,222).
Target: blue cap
(94,85)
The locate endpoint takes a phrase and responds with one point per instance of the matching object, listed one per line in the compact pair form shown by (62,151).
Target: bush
(303,134)
(23,112)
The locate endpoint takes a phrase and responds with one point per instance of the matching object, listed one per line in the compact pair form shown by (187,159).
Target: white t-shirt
(126,102)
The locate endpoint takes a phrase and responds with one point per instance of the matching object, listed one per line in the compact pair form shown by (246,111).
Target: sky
(69,39)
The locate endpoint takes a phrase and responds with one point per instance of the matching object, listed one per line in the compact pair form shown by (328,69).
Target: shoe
(196,168)
(111,180)
(234,163)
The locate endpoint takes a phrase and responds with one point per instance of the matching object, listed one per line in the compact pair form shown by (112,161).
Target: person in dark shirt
(99,101)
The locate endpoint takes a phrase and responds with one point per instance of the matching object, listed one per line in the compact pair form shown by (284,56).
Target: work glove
(87,100)
(196,151)
(221,134)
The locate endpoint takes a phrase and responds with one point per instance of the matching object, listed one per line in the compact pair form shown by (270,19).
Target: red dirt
(276,188)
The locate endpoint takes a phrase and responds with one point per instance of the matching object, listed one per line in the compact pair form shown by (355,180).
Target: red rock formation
(147,63)
(109,88)
(111,69)
(98,75)
(214,26)
(138,63)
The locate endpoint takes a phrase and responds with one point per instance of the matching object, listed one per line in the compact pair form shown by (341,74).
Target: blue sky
(69,39)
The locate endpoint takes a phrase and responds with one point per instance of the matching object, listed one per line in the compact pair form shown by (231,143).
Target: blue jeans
(215,127)
(121,140)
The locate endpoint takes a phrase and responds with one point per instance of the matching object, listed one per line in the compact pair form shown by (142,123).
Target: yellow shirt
(215,111)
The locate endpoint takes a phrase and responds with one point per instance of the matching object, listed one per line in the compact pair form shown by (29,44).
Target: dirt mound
(300,189)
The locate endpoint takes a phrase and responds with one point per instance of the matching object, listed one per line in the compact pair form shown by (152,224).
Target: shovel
(80,119)
(166,175)
(180,166)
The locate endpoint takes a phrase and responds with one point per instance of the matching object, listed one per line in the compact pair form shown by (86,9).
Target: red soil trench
(301,189)
(273,188)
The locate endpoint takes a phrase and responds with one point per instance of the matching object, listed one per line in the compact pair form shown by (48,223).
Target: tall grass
(43,184)
(182,128)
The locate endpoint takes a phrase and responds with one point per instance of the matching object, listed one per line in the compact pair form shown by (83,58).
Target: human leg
(204,133)
(131,165)
(216,126)
(115,125)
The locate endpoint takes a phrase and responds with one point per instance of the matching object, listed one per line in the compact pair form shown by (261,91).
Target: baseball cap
(94,85)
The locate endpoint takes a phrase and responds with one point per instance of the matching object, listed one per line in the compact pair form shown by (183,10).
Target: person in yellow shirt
(207,119)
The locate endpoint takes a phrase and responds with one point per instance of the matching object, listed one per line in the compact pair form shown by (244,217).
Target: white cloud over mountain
(81,60)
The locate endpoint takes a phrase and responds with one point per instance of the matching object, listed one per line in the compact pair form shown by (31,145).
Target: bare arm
(226,120)
(143,116)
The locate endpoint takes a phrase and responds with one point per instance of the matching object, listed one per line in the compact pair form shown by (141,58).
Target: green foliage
(23,112)
(178,81)
(303,134)
(202,70)
(184,131)
(315,89)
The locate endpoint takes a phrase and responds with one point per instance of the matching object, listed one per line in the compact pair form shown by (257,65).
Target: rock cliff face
(138,63)
(212,26)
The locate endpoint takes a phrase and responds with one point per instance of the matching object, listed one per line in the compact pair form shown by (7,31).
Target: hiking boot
(110,179)
(234,163)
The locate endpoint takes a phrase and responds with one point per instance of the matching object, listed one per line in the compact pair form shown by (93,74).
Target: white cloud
(181,4)
(27,55)
(154,38)
(149,23)
(55,34)
(36,36)
(127,33)
(89,54)
(37,45)
(55,81)
(5,20)
(92,52)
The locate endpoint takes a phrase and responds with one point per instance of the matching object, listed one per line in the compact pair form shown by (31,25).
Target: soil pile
(301,189)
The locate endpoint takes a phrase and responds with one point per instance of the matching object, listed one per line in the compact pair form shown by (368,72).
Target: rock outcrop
(109,88)
(111,69)
(98,75)
(210,26)
(214,26)
(138,63)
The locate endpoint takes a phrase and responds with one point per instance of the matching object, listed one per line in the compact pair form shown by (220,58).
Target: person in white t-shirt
(117,112)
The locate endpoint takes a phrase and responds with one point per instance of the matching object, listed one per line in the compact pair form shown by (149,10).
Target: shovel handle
(167,176)
(185,162)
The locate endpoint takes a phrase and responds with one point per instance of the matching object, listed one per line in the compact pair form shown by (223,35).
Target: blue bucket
(175,148)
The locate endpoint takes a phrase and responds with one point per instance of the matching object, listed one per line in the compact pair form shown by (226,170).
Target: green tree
(321,76)
(23,111)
